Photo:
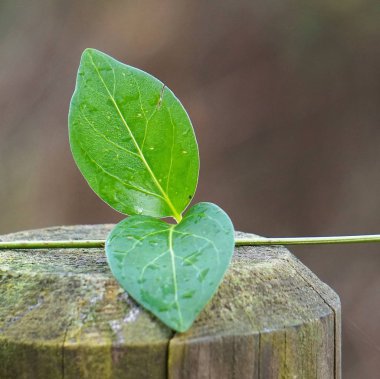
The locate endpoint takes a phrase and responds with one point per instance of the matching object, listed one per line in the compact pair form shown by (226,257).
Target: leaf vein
(106,138)
(165,195)
(174,273)
(203,238)
(137,241)
(171,151)
(151,263)
(130,186)
(193,265)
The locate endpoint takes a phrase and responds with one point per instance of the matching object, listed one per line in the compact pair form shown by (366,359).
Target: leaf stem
(307,240)
(178,218)
(51,244)
(254,241)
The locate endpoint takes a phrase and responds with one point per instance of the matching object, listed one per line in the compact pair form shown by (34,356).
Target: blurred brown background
(284,97)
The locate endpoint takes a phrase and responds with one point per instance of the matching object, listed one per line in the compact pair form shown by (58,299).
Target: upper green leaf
(132,139)
(172,270)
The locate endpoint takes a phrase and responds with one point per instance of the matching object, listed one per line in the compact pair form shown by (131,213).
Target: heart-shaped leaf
(132,139)
(172,270)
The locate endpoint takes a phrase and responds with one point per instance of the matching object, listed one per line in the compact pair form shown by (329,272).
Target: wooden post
(62,315)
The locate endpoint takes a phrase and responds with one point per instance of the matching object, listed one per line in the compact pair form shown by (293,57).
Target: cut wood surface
(63,315)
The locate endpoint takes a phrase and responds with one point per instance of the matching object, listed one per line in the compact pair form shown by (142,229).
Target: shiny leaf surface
(172,270)
(132,139)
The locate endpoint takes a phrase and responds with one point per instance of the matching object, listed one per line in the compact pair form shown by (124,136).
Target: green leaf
(132,139)
(172,270)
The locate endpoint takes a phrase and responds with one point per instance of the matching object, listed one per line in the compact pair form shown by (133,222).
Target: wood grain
(62,315)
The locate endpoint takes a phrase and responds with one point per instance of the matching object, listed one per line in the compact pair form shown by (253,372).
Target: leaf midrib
(174,274)
(176,215)
(130,186)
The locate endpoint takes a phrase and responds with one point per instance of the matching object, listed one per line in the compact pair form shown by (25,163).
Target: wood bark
(62,315)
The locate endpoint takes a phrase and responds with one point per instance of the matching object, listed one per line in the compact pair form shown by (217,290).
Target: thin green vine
(254,241)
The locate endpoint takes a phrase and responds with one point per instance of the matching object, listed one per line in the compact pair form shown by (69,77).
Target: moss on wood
(62,315)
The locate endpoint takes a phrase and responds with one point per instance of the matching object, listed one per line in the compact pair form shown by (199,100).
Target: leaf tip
(89,52)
